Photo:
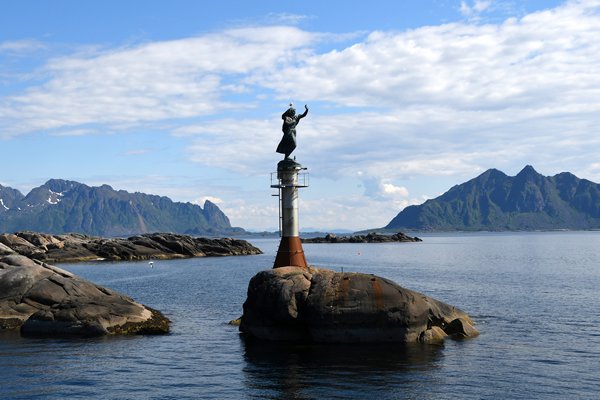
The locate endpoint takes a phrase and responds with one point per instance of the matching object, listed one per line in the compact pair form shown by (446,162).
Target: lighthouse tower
(289,180)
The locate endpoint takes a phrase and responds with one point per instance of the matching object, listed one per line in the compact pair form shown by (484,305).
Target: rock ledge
(368,238)
(43,300)
(75,247)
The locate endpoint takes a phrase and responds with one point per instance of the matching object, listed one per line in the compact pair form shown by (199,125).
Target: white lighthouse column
(289,203)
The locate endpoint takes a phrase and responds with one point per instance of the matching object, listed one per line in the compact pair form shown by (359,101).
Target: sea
(535,298)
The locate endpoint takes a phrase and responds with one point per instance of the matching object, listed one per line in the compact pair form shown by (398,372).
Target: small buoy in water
(151,264)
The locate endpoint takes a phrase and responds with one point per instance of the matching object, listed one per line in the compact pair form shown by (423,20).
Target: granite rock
(318,305)
(75,247)
(43,300)
(5,250)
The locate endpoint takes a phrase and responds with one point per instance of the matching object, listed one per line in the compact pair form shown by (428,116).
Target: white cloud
(20,46)
(149,82)
(203,199)
(475,8)
(74,132)
(244,146)
(383,189)
(437,102)
(254,214)
(393,190)
(514,64)
(350,212)
(287,18)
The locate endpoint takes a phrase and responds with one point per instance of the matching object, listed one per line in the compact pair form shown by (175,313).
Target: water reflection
(306,371)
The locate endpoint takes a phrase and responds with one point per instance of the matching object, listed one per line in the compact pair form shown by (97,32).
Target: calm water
(534,296)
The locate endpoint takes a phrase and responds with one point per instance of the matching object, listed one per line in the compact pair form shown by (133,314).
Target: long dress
(288,141)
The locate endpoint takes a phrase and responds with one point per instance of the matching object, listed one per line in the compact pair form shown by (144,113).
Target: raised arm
(304,113)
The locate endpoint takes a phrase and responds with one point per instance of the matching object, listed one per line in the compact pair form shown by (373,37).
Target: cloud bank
(438,101)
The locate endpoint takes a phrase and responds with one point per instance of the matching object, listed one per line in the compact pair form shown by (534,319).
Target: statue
(290,120)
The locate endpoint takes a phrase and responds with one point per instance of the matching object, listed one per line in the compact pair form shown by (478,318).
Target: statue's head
(291,111)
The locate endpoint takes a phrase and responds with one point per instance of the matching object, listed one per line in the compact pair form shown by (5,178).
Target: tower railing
(303,181)
(276,183)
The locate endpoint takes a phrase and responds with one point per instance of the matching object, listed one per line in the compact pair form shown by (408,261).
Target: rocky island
(318,305)
(368,238)
(43,300)
(74,247)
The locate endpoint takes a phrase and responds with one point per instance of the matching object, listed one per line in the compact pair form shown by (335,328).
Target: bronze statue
(290,120)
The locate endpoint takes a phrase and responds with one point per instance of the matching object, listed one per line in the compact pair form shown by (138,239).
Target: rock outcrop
(368,238)
(43,300)
(75,247)
(317,305)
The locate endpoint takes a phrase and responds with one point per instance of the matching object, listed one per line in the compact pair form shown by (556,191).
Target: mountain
(9,197)
(60,206)
(494,201)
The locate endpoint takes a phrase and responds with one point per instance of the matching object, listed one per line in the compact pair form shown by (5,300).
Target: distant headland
(494,201)
(371,237)
(61,206)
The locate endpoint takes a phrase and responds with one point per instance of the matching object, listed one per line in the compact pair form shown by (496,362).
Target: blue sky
(406,99)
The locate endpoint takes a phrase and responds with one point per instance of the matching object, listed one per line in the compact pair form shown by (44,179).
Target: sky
(406,98)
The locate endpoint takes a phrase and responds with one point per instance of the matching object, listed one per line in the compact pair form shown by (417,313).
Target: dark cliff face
(61,206)
(495,201)
(529,192)
(214,215)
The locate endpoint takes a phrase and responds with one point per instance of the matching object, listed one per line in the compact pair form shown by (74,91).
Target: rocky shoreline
(45,301)
(74,247)
(369,238)
(42,300)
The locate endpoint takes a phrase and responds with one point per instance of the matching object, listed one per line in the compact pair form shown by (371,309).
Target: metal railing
(303,181)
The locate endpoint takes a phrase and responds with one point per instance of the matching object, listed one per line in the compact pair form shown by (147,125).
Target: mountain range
(494,201)
(61,206)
